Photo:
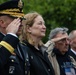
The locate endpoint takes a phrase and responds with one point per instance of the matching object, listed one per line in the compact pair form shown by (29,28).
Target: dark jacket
(72,54)
(1,36)
(38,62)
(11,64)
(65,64)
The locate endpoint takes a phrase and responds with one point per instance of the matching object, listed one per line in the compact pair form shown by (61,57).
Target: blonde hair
(28,22)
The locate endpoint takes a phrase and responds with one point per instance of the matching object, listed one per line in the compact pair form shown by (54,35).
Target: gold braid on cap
(13,12)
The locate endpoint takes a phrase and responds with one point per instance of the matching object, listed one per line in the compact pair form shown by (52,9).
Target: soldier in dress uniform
(11,55)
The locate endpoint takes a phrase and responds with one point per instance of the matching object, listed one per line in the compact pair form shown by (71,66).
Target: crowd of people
(22,51)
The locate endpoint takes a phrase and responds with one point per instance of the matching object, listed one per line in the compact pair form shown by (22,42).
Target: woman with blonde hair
(33,31)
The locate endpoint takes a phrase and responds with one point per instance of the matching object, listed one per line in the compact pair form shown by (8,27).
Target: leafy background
(56,13)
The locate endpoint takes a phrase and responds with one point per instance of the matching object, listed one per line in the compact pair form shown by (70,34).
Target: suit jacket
(11,64)
(72,54)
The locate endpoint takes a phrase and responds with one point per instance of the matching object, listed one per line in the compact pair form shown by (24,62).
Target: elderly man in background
(72,37)
(59,57)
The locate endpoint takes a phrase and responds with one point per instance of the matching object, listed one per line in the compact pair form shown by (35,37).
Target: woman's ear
(29,29)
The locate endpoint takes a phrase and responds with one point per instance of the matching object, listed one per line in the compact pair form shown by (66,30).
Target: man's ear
(2,23)
(70,42)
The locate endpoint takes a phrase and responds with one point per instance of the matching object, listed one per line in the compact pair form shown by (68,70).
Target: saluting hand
(13,26)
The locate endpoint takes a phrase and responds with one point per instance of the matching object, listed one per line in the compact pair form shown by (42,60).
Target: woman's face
(38,28)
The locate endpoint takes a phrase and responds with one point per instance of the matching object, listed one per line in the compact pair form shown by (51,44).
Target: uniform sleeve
(7,46)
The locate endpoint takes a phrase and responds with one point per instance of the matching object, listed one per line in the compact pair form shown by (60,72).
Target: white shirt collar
(73,51)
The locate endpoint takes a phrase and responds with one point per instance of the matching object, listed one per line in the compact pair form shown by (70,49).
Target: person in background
(33,31)
(51,43)
(72,37)
(11,55)
(59,56)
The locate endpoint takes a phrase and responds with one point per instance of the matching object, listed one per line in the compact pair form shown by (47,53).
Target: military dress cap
(13,8)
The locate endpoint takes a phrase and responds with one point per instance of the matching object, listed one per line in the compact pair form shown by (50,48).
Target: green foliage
(56,13)
(1,1)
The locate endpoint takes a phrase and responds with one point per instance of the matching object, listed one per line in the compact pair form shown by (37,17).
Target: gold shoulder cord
(7,46)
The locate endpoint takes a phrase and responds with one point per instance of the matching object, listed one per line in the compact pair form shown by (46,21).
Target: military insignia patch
(11,69)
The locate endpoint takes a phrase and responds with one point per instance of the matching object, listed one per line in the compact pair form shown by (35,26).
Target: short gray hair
(71,34)
(55,31)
